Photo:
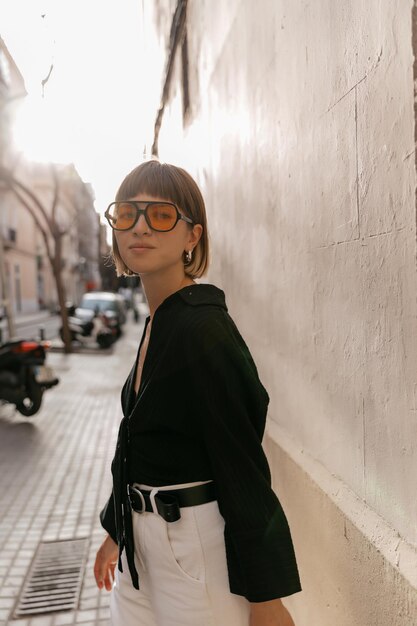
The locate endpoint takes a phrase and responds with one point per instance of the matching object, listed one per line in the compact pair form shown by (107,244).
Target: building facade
(297,120)
(18,237)
(27,272)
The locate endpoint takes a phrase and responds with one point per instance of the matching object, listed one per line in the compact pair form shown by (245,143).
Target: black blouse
(200,415)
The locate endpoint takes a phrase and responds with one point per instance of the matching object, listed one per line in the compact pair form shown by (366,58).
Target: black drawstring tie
(122,505)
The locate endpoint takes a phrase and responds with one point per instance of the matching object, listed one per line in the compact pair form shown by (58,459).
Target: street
(55,474)
(49,325)
(30,326)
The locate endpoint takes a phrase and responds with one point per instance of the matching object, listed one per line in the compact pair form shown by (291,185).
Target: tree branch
(56,195)
(6,175)
(44,234)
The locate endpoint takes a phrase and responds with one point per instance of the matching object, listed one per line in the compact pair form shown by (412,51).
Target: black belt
(169,502)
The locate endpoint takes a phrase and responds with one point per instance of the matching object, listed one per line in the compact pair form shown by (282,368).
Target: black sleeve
(232,406)
(108,519)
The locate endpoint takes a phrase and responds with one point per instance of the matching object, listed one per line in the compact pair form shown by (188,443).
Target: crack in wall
(347,93)
(371,69)
(357,161)
(363,238)
(407,156)
(414,46)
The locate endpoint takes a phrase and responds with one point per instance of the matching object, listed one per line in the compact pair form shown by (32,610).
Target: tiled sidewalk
(55,474)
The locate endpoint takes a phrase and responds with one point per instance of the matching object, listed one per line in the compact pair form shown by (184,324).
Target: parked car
(107,302)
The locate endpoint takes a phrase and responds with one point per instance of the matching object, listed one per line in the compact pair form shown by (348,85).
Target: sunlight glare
(40,134)
(101,98)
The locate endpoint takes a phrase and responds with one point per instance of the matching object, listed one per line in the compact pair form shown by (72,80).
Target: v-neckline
(135,394)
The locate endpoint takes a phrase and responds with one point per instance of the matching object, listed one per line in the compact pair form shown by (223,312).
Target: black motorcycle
(24,376)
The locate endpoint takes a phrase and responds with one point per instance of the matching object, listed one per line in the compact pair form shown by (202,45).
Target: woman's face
(146,251)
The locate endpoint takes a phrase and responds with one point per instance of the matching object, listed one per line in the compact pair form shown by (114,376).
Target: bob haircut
(174,184)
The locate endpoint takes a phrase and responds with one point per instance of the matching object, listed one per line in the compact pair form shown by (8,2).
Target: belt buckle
(142,499)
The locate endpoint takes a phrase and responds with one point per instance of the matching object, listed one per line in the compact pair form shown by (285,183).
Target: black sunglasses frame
(140,212)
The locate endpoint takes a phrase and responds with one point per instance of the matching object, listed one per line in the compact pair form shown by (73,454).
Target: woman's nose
(141,227)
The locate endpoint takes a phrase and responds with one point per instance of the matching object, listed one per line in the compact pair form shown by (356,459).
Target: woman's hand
(106,560)
(272,613)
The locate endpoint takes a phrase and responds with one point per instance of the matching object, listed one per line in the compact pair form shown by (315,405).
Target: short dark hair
(172,183)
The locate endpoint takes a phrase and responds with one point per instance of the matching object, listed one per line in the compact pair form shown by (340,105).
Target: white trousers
(182,572)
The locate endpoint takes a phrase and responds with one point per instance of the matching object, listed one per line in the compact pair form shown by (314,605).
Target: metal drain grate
(54,580)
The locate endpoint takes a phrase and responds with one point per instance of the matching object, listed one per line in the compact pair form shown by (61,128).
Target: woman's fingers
(99,569)
(108,579)
(109,576)
(105,563)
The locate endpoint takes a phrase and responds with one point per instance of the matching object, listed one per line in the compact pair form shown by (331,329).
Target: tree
(51,230)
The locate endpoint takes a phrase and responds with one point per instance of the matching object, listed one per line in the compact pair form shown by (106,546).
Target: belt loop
(152,499)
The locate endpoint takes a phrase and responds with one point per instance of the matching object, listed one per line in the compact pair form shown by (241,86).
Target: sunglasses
(159,216)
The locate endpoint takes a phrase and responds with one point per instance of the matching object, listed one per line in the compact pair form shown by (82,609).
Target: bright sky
(96,111)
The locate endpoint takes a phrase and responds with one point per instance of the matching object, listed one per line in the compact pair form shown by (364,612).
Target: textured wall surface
(355,569)
(301,135)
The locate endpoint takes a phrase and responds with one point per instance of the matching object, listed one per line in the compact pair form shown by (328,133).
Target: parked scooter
(24,376)
(105,330)
(79,327)
(96,326)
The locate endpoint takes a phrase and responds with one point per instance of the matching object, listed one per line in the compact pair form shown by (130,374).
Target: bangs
(164,181)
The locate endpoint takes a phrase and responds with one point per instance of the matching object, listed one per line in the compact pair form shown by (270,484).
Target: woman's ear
(195,234)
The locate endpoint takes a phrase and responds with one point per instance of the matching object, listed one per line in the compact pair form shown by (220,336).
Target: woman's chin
(139,266)
(146,267)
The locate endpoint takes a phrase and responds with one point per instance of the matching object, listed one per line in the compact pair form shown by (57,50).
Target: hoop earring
(188,257)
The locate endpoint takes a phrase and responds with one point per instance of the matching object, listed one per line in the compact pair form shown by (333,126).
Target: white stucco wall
(302,139)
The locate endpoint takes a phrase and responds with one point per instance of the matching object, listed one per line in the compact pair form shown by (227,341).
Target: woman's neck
(157,288)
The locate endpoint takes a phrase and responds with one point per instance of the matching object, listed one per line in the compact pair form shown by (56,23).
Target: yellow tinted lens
(123,215)
(162,216)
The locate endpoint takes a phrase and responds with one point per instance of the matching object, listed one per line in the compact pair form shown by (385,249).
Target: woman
(199,536)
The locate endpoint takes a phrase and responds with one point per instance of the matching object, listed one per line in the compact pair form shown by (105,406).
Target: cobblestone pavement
(55,473)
